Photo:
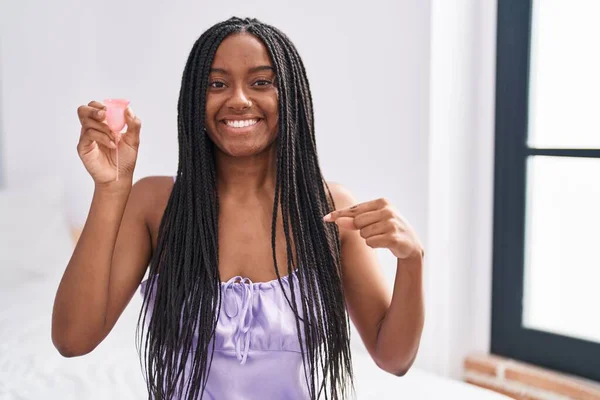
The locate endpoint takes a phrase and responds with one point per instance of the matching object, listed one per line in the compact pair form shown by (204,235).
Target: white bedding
(31,369)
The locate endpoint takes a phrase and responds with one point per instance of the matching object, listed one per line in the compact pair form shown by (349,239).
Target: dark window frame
(509,337)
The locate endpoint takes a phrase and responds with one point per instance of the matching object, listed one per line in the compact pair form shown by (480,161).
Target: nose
(239,101)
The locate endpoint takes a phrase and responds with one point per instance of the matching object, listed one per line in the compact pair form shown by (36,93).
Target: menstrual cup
(115,119)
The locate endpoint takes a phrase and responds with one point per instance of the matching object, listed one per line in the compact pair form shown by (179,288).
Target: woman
(255,261)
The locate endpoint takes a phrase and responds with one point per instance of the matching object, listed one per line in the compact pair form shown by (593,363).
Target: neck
(246,177)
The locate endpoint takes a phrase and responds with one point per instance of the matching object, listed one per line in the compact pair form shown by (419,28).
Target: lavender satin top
(257,353)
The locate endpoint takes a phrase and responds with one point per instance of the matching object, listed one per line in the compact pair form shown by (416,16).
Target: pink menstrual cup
(115,113)
(115,119)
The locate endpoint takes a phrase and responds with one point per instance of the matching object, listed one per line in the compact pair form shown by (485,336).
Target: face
(241,104)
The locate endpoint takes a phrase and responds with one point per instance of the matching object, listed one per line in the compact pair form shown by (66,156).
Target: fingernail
(130,113)
(113,145)
(100,114)
(327,218)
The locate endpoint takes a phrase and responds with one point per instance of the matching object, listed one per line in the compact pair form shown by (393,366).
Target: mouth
(239,126)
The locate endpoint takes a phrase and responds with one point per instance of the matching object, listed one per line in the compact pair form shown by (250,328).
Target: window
(546,280)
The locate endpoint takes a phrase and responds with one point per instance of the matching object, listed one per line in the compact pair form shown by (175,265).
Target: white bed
(30,367)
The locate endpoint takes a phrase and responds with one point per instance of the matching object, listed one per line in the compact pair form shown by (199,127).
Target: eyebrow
(251,70)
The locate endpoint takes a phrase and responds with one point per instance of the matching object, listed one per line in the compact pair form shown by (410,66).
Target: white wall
(460,179)
(2,160)
(396,86)
(368,68)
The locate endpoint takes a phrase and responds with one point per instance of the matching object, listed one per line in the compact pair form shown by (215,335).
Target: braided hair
(187,298)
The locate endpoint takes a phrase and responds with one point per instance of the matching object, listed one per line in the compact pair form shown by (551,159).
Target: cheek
(274,105)
(212,106)
(273,114)
(273,125)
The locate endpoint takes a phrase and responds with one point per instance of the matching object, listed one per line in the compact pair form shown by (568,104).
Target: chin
(246,148)
(243,151)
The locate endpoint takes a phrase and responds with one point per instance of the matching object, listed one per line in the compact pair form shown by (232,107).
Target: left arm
(389,325)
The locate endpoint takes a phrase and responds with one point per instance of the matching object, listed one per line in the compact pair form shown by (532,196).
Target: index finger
(96,104)
(353,211)
(94,110)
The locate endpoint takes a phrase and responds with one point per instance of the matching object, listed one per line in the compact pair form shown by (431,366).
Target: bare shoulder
(150,196)
(153,187)
(342,197)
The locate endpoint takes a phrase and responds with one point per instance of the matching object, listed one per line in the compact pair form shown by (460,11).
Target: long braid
(307,144)
(187,298)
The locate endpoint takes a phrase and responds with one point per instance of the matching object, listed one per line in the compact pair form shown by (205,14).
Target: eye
(216,84)
(262,82)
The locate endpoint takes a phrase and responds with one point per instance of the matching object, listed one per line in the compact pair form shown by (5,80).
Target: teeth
(241,124)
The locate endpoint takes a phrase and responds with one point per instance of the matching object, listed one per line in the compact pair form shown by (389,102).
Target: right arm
(114,249)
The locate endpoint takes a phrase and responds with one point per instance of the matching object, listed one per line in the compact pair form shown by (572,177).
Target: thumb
(134,125)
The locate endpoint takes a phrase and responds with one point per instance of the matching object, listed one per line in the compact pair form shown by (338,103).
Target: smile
(241,123)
